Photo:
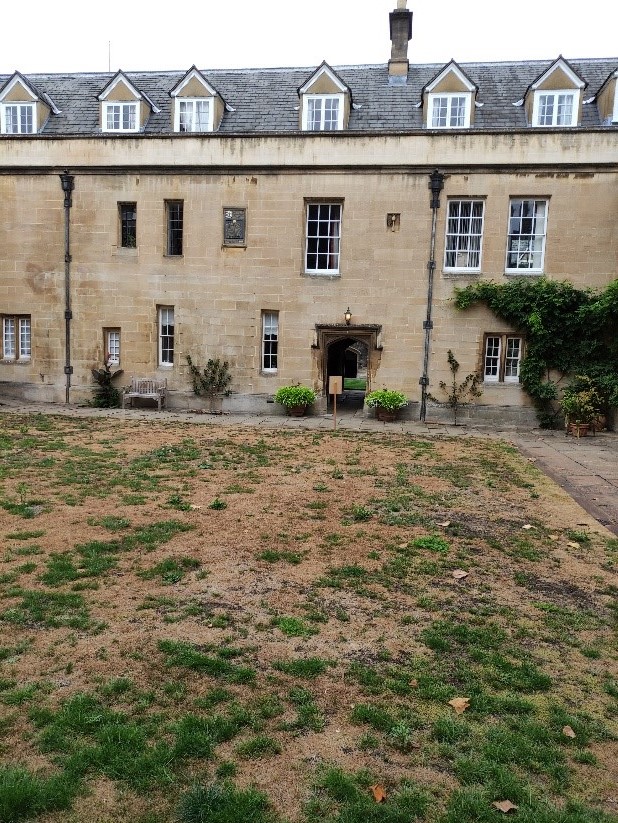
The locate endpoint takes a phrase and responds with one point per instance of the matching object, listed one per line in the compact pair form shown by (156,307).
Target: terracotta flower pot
(296,411)
(386,415)
(578,429)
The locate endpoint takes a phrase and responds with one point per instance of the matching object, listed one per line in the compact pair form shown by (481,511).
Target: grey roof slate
(266,100)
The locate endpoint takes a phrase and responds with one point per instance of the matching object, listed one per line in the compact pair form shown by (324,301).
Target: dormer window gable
(197,105)
(23,108)
(554,99)
(449,99)
(123,107)
(607,100)
(325,101)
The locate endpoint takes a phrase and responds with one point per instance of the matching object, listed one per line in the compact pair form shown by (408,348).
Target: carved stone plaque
(234,227)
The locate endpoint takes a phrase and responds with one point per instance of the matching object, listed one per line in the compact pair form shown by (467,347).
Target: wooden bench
(145,388)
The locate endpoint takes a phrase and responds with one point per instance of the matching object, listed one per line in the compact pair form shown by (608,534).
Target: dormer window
(23,108)
(554,99)
(325,101)
(449,111)
(197,105)
(449,99)
(193,115)
(17,118)
(555,109)
(120,116)
(324,112)
(123,107)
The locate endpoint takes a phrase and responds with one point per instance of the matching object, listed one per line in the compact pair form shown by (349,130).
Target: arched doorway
(351,351)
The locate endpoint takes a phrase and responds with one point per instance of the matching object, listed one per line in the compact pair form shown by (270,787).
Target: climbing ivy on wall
(568,332)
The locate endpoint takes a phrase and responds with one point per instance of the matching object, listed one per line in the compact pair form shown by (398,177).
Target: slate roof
(266,100)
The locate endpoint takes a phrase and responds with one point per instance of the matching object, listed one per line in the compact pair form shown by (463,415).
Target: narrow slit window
(166,335)
(270,340)
(175,216)
(128,225)
(112,346)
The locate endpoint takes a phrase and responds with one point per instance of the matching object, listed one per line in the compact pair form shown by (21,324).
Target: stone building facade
(239,214)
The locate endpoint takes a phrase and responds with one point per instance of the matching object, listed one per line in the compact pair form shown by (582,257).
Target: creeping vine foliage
(568,332)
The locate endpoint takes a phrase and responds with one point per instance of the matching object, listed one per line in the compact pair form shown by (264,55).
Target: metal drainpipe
(67,182)
(436,184)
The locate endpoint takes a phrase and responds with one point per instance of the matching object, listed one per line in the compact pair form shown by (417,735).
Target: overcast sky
(73,35)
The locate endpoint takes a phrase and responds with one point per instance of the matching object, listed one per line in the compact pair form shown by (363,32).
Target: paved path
(586,468)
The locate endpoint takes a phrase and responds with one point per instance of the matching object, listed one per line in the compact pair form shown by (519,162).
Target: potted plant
(295,399)
(387,403)
(213,382)
(581,405)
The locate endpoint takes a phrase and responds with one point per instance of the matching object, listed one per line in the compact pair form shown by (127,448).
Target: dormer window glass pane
(448,112)
(193,115)
(121,117)
(323,113)
(18,118)
(555,109)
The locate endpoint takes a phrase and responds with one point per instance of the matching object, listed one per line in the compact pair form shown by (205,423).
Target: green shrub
(290,396)
(386,399)
(105,395)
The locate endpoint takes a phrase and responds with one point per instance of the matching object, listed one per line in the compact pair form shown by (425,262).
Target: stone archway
(335,343)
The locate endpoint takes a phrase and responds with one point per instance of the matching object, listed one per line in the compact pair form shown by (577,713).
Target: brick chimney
(400,20)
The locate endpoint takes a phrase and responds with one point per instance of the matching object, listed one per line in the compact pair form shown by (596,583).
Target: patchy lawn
(211,625)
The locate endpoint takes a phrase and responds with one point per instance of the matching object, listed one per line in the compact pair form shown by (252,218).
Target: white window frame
(527,241)
(463,233)
(17,337)
(121,105)
(112,346)
(193,103)
(328,244)
(502,355)
(615,114)
(449,98)
(28,108)
(270,342)
(323,100)
(165,314)
(555,95)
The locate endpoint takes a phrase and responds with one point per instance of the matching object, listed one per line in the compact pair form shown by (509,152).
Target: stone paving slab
(586,468)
